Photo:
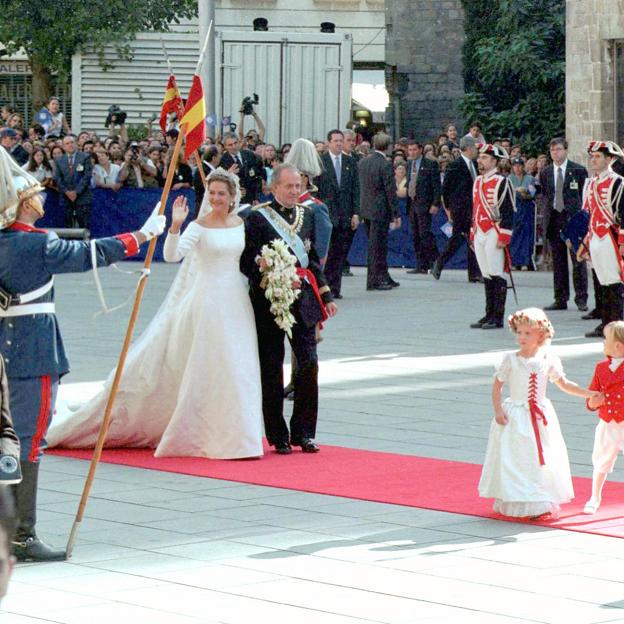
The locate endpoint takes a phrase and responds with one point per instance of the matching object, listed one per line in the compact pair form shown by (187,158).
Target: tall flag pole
(99,445)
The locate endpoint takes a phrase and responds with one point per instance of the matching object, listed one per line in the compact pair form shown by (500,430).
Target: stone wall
(424,41)
(591,28)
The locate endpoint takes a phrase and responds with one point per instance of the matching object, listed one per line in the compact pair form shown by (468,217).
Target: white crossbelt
(30,308)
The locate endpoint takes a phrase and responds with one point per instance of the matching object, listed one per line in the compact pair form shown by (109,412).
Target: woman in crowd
(451,133)
(59,126)
(429,151)
(191,384)
(400,178)
(522,246)
(105,173)
(40,167)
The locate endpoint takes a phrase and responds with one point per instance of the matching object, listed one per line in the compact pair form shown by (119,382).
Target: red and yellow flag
(172,102)
(194,119)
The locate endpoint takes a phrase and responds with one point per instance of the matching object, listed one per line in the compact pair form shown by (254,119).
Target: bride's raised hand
(179,212)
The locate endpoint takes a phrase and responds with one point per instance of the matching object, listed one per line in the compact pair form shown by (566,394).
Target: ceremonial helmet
(496,151)
(608,148)
(17,187)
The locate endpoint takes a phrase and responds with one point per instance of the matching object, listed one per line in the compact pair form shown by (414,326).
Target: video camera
(248,104)
(115,116)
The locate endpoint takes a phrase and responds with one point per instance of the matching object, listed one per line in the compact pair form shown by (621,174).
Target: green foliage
(51,31)
(136,132)
(514,75)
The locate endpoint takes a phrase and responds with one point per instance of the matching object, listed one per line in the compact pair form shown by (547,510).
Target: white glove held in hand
(155,224)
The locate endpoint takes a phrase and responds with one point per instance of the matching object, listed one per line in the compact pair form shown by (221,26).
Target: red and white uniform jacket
(602,199)
(612,384)
(493,206)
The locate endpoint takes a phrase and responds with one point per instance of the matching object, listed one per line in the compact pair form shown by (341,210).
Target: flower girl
(526,468)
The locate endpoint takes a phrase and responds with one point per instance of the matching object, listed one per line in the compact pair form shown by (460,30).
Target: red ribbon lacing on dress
(536,414)
(311,279)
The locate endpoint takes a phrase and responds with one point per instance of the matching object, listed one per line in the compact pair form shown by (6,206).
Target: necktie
(337,168)
(473,173)
(411,189)
(71,165)
(559,191)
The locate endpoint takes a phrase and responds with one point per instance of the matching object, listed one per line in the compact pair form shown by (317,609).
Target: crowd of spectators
(118,162)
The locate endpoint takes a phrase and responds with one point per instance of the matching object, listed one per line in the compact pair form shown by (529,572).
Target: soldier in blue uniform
(30,340)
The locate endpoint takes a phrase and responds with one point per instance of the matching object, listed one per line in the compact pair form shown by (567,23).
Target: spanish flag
(171,104)
(194,120)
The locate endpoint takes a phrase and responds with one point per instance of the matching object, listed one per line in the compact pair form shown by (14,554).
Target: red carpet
(380,477)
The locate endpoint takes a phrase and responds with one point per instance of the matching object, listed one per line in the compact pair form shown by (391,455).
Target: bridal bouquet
(278,276)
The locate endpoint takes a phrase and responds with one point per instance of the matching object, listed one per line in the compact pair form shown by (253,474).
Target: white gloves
(155,224)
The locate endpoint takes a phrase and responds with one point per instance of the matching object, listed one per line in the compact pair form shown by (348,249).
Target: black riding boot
(26,545)
(488,282)
(499,291)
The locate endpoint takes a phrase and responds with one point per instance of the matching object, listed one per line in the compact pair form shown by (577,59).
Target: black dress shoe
(31,548)
(336,295)
(380,287)
(556,306)
(479,324)
(417,271)
(307,445)
(597,332)
(475,280)
(392,283)
(346,273)
(590,316)
(436,270)
(492,325)
(283,448)
(582,307)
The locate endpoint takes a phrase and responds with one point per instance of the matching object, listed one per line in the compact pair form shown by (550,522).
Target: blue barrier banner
(114,212)
(401,243)
(127,209)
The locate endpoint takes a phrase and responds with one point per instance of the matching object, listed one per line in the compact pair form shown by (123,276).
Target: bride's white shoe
(591,506)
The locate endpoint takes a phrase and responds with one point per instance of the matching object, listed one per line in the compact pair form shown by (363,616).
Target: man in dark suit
(9,139)
(249,167)
(457,195)
(561,184)
(73,179)
(210,161)
(379,208)
(349,149)
(339,189)
(423,192)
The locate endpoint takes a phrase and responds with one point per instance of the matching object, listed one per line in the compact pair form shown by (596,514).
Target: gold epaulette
(258,206)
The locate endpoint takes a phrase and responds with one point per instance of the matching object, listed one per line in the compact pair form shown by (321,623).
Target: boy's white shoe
(591,506)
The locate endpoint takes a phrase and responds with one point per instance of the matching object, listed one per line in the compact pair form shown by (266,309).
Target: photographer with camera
(137,171)
(116,117)
(253,137)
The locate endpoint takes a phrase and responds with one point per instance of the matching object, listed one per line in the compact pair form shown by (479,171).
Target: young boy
(609,439)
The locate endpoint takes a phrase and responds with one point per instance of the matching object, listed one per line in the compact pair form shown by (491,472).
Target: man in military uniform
(493,208)
(30,340)
(284,218)
(605,240)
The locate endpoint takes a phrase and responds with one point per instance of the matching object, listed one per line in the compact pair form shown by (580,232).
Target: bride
(191,383)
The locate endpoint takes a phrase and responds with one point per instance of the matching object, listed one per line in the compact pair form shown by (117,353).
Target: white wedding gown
(191,383)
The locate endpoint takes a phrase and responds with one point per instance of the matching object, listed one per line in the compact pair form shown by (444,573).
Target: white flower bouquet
(278,274)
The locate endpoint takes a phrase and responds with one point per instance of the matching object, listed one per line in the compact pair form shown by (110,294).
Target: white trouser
(491,258)
(604,260)
(608,442)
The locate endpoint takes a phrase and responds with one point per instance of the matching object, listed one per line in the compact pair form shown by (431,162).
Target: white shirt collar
(468,161)
(615,363)
(563,166)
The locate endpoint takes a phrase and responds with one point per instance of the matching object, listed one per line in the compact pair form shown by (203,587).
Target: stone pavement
(400,372)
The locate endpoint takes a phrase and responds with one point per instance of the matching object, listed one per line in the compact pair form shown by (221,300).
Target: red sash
(311,279)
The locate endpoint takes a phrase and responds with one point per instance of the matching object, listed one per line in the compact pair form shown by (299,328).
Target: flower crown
(534,317)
